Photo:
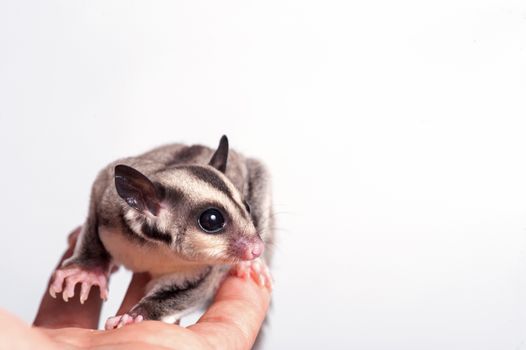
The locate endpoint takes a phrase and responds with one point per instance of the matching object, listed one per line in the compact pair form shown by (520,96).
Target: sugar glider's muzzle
(247,248)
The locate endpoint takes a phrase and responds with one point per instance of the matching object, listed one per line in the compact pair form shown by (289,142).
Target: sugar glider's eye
(211,220)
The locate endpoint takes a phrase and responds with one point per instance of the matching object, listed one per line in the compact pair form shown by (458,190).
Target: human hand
(232,321)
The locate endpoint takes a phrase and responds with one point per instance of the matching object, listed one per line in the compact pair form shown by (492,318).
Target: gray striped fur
(186,265)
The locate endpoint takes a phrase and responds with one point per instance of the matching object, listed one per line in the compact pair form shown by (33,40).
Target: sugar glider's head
(193,209)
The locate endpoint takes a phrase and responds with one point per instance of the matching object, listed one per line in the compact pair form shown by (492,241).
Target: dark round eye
(211,220)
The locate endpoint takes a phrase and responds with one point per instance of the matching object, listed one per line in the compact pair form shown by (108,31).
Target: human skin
(232,321)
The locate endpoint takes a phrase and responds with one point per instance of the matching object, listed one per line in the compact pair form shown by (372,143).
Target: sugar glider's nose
(249,248)
(256,251)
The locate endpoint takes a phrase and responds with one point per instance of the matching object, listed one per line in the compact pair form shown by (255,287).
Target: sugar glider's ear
(136,189)
(220,157)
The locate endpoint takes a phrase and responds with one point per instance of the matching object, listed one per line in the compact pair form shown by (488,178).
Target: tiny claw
(256,270)
(65,280)
(84,291)
(270,282)
(111,322)
(125,319)
(270,286)
(261,280)
(104,294)
(56,283)
(256,266)
(69,291)
(116,322)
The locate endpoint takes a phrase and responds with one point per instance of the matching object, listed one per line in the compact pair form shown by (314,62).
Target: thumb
(236,315)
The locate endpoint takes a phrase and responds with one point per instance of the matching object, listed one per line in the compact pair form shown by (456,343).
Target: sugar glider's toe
(65,280)
(121,321)
(255,269)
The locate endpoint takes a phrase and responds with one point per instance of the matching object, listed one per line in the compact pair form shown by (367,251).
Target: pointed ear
(136,189)
(220,157)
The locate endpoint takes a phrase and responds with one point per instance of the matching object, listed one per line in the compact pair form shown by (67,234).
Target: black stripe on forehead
(187,155)
(209,176)
(212,178)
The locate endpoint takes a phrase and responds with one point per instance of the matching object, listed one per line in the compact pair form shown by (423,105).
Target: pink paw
(255,269)
(121,321)
(65,280)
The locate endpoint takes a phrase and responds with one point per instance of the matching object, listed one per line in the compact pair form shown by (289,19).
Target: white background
(395,130)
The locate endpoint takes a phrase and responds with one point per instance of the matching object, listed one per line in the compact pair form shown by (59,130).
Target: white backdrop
(395,130)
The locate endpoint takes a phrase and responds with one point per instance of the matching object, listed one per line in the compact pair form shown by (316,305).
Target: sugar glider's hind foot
(65,279)
(122,320)
(255,269)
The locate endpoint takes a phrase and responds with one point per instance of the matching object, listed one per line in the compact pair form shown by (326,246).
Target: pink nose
(257,249)
(252,250)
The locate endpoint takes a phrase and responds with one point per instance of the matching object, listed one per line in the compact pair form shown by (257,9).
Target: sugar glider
(184,214)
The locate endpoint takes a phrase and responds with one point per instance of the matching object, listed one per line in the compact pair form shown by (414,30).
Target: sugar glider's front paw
(65,279)
(122,320)
(255,269)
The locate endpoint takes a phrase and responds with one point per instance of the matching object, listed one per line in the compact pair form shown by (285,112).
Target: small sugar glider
(184,214)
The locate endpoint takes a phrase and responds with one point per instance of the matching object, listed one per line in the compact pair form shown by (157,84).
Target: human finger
(235,317)
(55,313)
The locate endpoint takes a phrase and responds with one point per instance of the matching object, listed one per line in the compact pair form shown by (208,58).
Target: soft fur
(157,231)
